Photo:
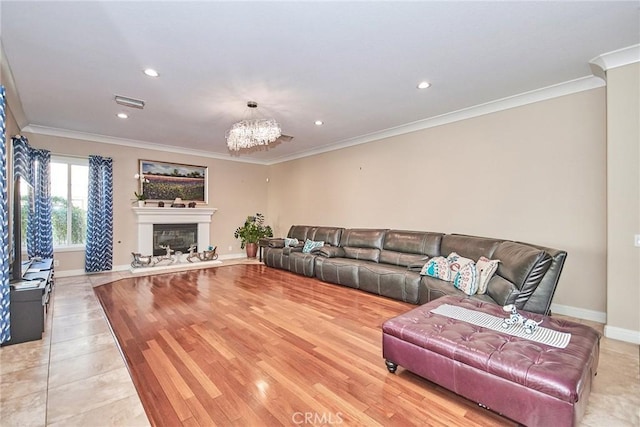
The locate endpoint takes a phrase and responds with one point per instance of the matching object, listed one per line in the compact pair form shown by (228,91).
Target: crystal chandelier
(252,132)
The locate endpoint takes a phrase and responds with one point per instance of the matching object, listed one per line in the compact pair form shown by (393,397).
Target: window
(69,200)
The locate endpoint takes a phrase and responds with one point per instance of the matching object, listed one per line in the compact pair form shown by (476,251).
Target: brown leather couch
(388,262)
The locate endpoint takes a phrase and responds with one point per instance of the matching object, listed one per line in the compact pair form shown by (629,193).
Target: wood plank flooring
(249,345)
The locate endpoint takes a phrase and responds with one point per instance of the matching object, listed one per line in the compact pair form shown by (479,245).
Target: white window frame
(69,161)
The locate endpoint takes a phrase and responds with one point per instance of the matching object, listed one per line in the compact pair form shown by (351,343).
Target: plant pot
(252,250)
(141,203)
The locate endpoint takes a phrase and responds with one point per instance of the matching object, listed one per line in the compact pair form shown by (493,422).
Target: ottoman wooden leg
(391,366)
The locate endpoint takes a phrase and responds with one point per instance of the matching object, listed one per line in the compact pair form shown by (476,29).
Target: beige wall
(534,173)
(623,151)
(236,189)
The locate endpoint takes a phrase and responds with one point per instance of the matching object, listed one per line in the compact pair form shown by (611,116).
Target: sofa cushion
(391,281)
(330,251)
(329,235)
(414,242)
(522,265)
(299,232)
(468,246)
(366,254)
(363,238)
(402,259)
(502,291)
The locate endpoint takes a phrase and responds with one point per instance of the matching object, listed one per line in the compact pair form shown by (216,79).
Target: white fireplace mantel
(148,216)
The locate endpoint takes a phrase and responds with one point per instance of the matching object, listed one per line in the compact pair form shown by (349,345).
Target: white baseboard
(621,334)
(579,313)
(613,332)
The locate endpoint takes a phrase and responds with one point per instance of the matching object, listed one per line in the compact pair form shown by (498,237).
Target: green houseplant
(141,198)
(252,231)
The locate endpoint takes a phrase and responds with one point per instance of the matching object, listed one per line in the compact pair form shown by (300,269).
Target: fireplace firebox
(178,236)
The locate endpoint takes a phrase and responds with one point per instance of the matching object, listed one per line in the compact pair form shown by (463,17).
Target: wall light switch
(637,240)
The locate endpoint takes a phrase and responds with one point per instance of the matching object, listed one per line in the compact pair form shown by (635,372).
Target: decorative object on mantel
(177,203)
(168,181)
(192,204)
(161,204)
(252,132)
(251,232)
(141,198)
(206,255)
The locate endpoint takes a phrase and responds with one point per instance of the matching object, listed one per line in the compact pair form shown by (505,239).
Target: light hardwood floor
(76,375)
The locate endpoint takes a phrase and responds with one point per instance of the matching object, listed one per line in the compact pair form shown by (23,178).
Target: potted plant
(141,198)
(252,231)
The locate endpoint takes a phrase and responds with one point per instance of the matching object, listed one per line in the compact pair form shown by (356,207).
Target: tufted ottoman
(534,384)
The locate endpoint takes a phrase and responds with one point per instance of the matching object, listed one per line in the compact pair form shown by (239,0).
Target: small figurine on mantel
(177,203)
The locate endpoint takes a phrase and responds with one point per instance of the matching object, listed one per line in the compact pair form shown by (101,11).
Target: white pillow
(486,269)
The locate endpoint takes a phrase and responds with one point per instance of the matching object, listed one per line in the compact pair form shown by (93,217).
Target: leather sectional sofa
(388,263)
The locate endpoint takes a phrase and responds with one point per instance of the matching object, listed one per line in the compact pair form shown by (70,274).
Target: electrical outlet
(637,240)
(230,248)
(56,263)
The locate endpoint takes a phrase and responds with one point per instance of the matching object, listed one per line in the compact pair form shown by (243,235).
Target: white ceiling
(354,65)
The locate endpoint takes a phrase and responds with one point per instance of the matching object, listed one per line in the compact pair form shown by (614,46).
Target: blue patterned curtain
(5,331)
(99,250)
(39,227)
(21,158)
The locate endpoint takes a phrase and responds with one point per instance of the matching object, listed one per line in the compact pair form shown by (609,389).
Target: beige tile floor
(76,376)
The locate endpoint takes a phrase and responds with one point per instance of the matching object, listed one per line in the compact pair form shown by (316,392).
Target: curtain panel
(99,248)
(5,326)
(39,226)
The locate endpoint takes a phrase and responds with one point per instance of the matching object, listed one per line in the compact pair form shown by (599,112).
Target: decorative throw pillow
(290,242)
(456,262)
(310,245)
(466,278)
(486,269)
(437,267)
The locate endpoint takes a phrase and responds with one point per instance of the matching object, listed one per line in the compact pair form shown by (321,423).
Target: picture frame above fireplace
(163,181)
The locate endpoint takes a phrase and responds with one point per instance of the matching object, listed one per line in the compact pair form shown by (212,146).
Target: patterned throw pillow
(290,242)
(486,269)
(456,262)
(310,245)
(466,278)
(437,267)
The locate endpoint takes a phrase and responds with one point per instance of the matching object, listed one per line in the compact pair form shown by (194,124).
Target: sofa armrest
(276,242)
(330,251)
(417,266)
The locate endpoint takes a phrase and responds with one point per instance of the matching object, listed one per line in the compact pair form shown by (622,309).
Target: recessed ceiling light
(122,115)
(151,72)
(423,85)
(319,122)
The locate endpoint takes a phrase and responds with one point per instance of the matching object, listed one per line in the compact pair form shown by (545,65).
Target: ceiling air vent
(129,102)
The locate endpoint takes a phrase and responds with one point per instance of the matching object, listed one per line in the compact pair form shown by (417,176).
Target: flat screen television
(23,204)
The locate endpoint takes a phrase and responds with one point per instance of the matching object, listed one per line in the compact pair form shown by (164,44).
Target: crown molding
(542,94)
(103,139)
(549,92)
(13,99)
(617,58)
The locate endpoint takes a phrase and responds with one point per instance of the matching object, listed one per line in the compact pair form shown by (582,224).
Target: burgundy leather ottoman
(531,383)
